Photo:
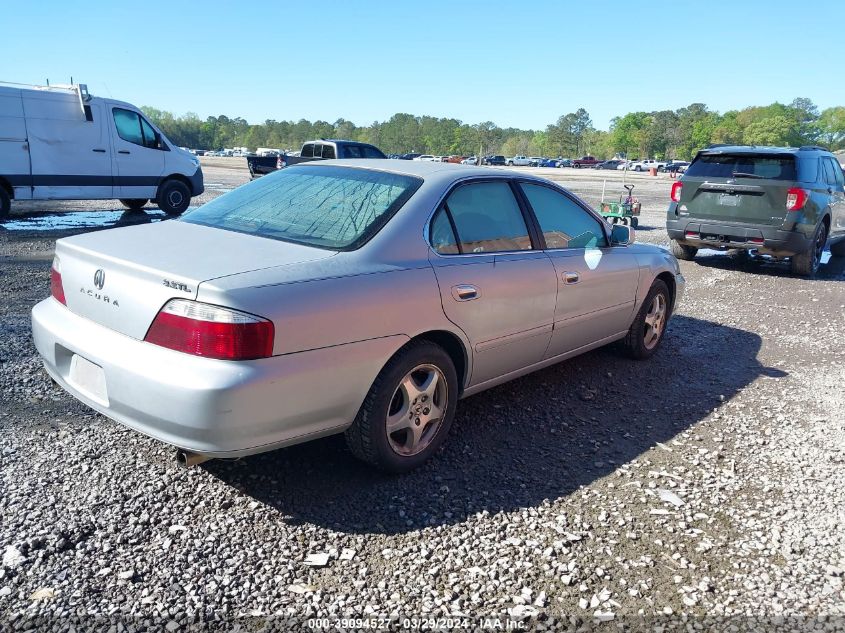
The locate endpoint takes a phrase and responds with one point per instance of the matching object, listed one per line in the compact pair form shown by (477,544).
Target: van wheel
(807,263)
(647,330)
(682,251)
(408,411)
(133,203)
(5,203)
(173,197)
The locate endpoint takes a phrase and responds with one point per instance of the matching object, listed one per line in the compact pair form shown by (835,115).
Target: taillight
(211,331)
(56,288)
(796,198)
(676,191)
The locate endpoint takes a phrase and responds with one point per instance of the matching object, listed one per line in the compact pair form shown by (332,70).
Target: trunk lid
(142,267)
(738,188)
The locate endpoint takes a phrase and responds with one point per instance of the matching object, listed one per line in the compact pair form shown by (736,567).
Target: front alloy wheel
(655,321)
(646,332)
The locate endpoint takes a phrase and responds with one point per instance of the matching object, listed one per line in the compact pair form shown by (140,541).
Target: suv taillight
(56,288)
(796,198)
(676,191)
(211,331)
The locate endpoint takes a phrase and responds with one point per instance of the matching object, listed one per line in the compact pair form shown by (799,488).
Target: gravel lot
(702,485)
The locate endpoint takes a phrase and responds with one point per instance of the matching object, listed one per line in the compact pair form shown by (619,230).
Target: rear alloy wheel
(173,197)
(133,203)
(408,411)
(682,251)
(647,330)
(807,263)
(5,203)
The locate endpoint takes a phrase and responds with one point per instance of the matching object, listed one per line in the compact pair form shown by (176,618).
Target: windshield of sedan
(332,207)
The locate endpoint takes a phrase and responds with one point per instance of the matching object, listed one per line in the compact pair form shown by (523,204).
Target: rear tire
(173,197)
(806,264)
(649,327)
(682,251)
(390,398)
(5,204)
(133,203)
(635,222)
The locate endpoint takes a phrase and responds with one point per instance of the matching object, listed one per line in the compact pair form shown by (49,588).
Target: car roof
(762,149)
(429,171)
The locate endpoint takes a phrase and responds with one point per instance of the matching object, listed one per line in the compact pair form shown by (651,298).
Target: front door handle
(465,292)
(571,278)
(100,151)
(122,151)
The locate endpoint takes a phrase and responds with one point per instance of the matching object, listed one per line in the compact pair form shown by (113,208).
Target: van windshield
(769,166)
(337,208)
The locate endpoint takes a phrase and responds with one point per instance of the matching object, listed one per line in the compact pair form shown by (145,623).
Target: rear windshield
(337,208)
(770,166)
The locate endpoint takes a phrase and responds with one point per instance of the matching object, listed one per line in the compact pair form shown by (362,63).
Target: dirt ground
(704,483)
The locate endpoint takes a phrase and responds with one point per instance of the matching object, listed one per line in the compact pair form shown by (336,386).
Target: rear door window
(488,218)
(758,166)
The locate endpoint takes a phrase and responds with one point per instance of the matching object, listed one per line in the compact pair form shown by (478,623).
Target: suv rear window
(769,166)
(337,208)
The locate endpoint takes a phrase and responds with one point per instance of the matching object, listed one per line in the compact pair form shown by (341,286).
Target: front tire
(5,203)
(682,251)
(133,203)
(408,411)
(173,197)
(806,264)
(646,332)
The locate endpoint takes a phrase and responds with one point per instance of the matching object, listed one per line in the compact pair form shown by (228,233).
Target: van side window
(128,126)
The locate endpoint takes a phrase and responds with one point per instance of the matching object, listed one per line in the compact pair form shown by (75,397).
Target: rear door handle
(101,151)
(465,292)
(571,278)
(122,151)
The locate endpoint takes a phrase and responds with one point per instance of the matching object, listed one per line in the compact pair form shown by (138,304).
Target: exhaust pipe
(186,459)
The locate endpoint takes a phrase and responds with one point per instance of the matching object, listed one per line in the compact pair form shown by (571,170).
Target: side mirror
(621,235)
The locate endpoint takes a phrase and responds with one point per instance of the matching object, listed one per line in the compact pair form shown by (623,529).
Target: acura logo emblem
(100,278)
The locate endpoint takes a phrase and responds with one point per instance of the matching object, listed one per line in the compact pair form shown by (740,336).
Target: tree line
(664,134)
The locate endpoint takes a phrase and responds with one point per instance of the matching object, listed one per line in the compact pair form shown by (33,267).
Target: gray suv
(782,201)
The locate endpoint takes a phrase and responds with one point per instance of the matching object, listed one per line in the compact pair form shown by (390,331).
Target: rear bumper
(218,408)
(771,240)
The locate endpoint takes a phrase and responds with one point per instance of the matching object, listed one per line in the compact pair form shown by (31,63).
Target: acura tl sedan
(343,297)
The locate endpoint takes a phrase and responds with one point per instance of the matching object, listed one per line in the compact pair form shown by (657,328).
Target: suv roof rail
(809,148)
(718,145)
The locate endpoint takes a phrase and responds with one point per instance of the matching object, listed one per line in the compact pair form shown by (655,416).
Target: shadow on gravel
(535,439)
(831,268)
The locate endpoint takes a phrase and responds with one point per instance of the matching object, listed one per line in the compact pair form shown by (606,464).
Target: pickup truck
(312,150)
(519,161)
(586,161)
(646,164)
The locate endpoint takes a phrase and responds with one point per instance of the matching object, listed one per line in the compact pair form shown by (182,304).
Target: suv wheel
(408,411)
(682,251)
(807,263)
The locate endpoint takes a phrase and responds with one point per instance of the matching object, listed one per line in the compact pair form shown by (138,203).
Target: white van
(60,143)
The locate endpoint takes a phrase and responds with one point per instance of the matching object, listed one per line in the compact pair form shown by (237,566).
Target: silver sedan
(343,297)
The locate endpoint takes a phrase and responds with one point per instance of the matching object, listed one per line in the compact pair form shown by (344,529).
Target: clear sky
(515,63)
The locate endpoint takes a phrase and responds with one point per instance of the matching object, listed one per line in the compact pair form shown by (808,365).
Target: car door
(138,153)
(597,283)
(494,284)
(69,148)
